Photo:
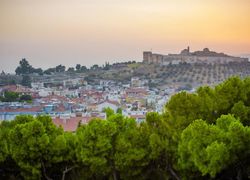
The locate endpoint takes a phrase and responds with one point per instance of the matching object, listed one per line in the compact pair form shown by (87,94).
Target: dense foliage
(9,96)
(204,135)
(25,69)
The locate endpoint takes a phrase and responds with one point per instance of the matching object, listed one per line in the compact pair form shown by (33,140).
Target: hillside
(180,74)
(158,76)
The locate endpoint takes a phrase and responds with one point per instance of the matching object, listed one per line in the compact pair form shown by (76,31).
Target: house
(107,103)
(136,92)
(138,118)
(20,89)
(37,85)
(71,122)
(67,123)
(10,111)
(136,82)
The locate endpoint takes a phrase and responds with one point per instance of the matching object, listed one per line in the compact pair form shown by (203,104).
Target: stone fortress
(185,56)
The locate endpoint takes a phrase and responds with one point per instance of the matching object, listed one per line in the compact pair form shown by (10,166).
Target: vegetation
(25,68)
(9,79)
(184,75)
(9,96)
(26,81)
(204,135)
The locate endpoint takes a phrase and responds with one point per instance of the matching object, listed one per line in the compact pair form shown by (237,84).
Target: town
(69,107)
(79,94)
(125,90)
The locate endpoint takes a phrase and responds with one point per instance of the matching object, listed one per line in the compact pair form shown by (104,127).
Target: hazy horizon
(49,33)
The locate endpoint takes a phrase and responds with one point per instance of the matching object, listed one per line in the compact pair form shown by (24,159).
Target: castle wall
(149,57)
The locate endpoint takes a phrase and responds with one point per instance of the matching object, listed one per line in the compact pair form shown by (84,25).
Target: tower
(147,56)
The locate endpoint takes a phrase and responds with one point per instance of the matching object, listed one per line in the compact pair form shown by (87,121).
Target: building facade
(185,56)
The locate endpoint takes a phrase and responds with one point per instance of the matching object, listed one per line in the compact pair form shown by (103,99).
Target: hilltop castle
(204,56)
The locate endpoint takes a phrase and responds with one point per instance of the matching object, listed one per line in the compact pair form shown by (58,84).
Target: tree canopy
(25,68)
(9,96)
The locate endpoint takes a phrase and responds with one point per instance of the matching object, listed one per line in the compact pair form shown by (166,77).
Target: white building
(106,104)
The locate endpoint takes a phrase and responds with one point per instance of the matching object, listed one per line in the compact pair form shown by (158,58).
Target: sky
(69,32)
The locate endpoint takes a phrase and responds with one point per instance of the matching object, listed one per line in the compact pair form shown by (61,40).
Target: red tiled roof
(18,89)
(60,108)
(138,116)
(77,100)
(10,88)
(33,109)
(50,97)
(70,124)
(114,102)
(23,90)
(136,90)
(86,120)
(111,102)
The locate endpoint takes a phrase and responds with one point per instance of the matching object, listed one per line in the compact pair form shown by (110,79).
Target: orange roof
(86,120)
(136,90)
(10,87)
(60,108)
(138,116)
(111,102)
(70,124)
(50,97)
(32,109)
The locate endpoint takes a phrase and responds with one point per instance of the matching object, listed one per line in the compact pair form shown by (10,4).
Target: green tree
(60,157)
(60,68)
(29,144)
(3,145)
(95,146)
(242,112)
(8,167)
(50,71)
(61,160)
(246,90)
(228,93)
(211,148)
(131,153)
(10,96)
(84,69)
(182,109)
(26,81)
(26,97)
(119,111)
(94,67)
(38,71)
(155,131)
(24,68)
(112,148)
(78,67)
(36,144)
(207,104)
(109,112)
(71,69)
(106,66)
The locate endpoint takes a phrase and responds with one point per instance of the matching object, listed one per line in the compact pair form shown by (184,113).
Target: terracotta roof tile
(69,124)
(32,109)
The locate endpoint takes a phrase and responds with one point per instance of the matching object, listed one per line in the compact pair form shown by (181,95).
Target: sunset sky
(52,32)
